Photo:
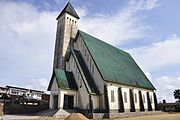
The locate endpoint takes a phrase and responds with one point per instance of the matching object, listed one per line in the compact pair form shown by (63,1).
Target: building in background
(91,75)
(28,93)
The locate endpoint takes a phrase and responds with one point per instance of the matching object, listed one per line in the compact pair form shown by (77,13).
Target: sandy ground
(165,116)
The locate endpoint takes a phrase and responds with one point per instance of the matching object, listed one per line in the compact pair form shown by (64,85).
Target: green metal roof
(65,80)
(114,64)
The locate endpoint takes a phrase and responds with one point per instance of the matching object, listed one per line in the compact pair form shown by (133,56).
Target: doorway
(68,102)
(55,101)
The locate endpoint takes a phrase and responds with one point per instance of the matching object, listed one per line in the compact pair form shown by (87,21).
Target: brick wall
(1,109)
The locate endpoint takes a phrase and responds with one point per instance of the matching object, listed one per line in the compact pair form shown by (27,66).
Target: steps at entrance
(63,113)
(48,113)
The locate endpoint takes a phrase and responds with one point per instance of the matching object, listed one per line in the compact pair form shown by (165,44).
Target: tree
(177,94)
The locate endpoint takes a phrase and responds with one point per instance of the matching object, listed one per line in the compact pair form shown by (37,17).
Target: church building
(92,76)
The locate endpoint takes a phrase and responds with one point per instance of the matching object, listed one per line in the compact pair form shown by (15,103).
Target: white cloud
(27,40)
(37,84)
(121,27)
(158,54)
(165,87)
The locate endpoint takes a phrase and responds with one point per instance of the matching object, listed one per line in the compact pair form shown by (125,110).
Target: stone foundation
(116,115)
(137,110)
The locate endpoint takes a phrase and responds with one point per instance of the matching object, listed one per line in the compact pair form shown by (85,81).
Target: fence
(1,109)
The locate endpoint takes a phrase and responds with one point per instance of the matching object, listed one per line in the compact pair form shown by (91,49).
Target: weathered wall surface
(83,95)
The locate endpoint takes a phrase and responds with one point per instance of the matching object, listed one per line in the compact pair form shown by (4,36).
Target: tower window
(67,18)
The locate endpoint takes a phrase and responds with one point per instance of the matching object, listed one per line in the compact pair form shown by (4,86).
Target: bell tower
(67,27)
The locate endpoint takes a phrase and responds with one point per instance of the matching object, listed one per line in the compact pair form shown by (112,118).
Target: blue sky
(147,29)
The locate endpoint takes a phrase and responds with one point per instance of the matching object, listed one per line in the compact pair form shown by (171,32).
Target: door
(55,101)
(68,102)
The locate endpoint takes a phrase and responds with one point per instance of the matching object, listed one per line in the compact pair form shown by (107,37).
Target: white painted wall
(124,88)
(151,95)
(136,105)
(144,94)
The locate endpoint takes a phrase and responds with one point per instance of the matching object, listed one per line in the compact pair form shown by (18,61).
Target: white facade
(126,96)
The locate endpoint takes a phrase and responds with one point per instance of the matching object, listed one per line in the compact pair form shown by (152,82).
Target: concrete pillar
(51,102)
(132,107)
(141,104)
(120,99)
(149,102)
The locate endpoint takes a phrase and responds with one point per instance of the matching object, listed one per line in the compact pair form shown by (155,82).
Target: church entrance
(68,102)
(55,101)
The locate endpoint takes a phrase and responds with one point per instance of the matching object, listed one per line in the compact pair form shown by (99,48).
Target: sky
(147,29)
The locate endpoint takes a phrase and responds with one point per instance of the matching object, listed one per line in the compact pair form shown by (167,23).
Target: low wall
(24,109)
(1,109)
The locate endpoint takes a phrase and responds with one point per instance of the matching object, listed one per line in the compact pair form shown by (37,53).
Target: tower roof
(69,9)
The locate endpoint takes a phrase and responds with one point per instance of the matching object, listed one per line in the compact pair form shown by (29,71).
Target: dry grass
(165,116)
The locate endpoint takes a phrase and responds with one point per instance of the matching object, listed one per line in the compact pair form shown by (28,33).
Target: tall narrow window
(71,59)
(78,76)
(125,97)
(87,57)
(135,97)
(90,65)
(112,95)
(151,98)
(77,44)
(80,84)
(144,100)
(92,68)
(81,43)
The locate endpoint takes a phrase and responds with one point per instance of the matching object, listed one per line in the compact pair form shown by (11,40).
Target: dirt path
(165,116)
